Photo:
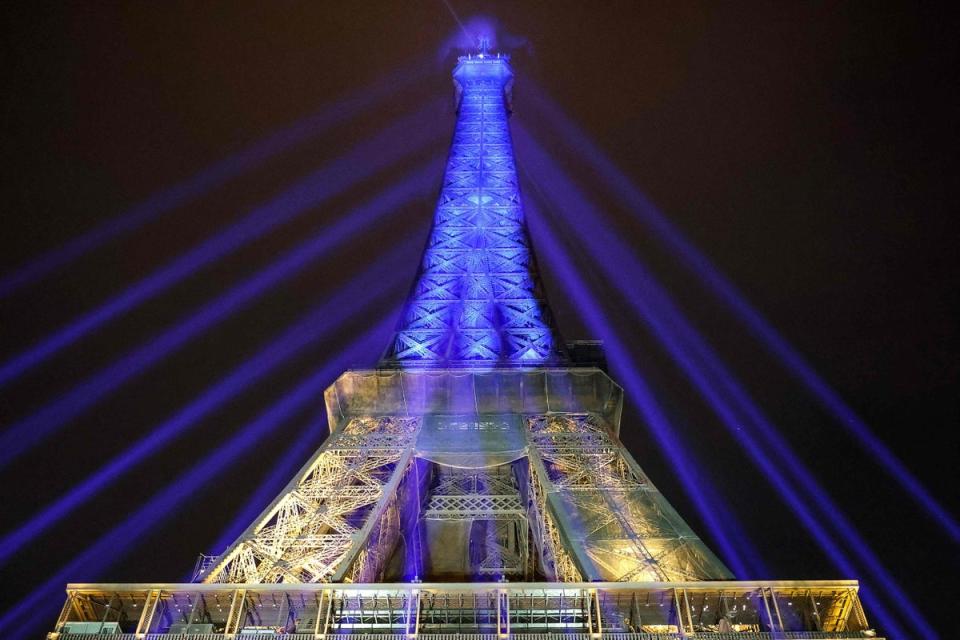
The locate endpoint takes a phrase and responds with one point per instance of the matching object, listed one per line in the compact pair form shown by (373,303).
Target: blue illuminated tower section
(477,298)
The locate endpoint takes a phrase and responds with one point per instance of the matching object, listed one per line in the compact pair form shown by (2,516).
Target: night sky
(809,151)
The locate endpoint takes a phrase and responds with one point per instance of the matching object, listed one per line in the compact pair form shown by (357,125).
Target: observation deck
(755,610)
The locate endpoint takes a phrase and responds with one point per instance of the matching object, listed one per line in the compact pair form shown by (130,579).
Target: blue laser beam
(392,144)
(766,466)
(379,279)
(652,305)
(582,146)
(212,177)
(31,430)
(120,540)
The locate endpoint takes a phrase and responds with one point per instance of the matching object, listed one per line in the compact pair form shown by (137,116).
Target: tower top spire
(478,299)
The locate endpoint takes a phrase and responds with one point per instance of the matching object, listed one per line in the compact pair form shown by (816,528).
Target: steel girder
(337,520)
(613,522)
(477,298)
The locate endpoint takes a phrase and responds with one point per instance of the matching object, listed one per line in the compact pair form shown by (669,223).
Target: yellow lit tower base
(474,482)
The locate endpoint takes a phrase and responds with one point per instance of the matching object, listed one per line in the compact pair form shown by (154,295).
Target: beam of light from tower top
(466,34)
(379,279)
(212,177)
(120,540)
(268,488)
(718,284)
(30,431)
(652,305)
(732,541)
(394,143)
(766,466)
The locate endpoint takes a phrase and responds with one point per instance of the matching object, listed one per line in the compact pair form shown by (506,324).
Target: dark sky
(809,150)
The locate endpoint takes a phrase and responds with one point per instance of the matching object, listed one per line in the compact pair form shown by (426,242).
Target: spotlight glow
(30,431)
(391,145)
(717,284)
(380,279)
(212,177)
(652,305)
(43,602)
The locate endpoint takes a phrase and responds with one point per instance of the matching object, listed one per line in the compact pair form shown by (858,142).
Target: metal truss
(613,521)
(338,520)
(477,298)
(556,562)
(488,497)
(468,494)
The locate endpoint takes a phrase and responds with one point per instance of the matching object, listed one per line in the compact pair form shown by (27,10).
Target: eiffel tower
(473,483)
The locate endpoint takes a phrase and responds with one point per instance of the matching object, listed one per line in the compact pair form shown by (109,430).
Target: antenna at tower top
(484,46)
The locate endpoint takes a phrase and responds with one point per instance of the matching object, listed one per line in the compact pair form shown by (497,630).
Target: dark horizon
(807,151)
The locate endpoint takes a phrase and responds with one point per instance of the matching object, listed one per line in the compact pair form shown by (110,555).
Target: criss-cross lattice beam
(557,562)
(478,297)
(469,495)
(341,504)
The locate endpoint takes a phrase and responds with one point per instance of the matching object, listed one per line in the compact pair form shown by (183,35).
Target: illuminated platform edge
(618,611)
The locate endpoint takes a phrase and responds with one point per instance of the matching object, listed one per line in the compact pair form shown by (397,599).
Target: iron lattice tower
(473,482)
(477,314)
